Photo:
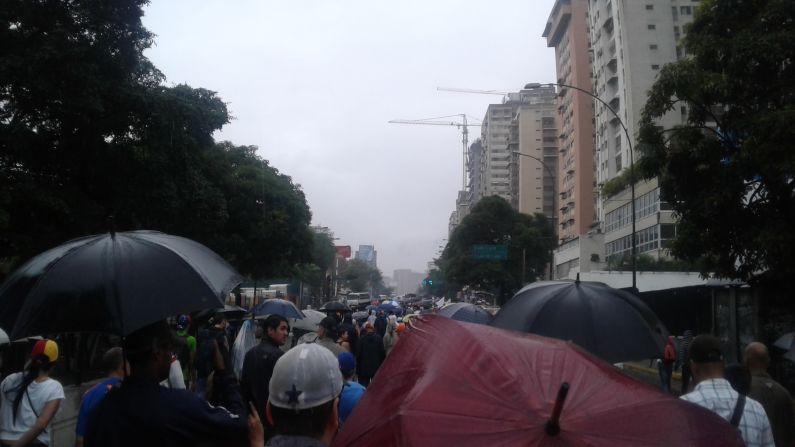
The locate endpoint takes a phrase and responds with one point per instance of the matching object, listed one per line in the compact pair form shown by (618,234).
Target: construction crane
(469,90)
(442,121)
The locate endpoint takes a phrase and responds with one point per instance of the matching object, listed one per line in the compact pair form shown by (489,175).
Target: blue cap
(347,363)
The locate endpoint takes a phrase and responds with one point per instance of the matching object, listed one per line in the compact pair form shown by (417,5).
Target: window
(649,7)
(653,46)
(652,26)
(655,67)
(685,10)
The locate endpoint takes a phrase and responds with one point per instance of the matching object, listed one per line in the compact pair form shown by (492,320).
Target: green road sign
(490,252)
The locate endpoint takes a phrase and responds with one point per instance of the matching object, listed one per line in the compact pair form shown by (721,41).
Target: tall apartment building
(475,171)
(582,244)
(368,254)
(631,41)
(533,133)
(496,158)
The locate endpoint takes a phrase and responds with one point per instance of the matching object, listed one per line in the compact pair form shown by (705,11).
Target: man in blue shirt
(352,391)
(113,367)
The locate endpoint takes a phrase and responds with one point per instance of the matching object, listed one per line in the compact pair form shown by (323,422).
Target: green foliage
(494,222)
(434,284)
(728,173)
(360,277)
(618,183)
(88,131)
(323,252)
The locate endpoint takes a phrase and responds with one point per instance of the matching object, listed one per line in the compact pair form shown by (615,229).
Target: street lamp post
(554,226)
(535,85)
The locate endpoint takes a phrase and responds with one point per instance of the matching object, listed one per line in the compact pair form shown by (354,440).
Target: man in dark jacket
(260,360)
(369,355)
(380,323)
(141,412)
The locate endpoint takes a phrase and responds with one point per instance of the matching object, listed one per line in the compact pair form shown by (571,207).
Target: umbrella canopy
(465,312)
(360,316)
(310,321)
(453,383)
(114,283)
(785,342)
(391,306)
(611,323)
(229,310)
(278,307)
(333,306)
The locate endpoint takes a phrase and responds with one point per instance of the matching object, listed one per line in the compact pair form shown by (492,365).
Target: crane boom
(463,125)
(469,90)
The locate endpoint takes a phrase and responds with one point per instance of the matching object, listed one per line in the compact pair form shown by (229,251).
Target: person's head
(327,328)
(42,358)
(347,365)
(757,357)
(304,393)
(739,377)
(219,320)
(706,358)
(183,324)
(401,327)
(369,327)
(149,351)
(113,362)
(276,328)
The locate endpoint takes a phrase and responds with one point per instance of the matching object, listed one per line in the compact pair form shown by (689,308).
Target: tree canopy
(493,221)
(91,139)
(728,172)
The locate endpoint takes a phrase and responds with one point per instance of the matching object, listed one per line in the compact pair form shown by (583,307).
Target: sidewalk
(642,371)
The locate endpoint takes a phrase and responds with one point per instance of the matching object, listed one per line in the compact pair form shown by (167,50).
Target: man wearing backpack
(186,350)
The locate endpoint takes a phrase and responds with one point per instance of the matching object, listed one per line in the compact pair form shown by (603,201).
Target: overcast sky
(313,83)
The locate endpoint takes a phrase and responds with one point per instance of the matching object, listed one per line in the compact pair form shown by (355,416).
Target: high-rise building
(368,255)
(582,244)
(475,172)
(631,40)
(495,158)
(533,145)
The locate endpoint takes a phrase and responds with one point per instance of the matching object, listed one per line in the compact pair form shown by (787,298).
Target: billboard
(344,250)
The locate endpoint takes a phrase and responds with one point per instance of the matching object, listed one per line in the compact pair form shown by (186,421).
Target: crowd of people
(174,386)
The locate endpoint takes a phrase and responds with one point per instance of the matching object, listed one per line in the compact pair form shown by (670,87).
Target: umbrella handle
(552,428)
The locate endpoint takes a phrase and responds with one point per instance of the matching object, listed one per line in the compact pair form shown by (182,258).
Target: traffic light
(430,282)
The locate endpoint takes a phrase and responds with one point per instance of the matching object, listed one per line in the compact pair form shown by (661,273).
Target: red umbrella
(454,383)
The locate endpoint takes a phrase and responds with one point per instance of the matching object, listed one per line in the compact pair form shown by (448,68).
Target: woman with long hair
(30,399)
(349,339)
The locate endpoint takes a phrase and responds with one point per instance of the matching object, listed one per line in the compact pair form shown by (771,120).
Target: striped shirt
(718,396)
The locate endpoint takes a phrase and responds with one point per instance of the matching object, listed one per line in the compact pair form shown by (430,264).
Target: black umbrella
(610,323)
(231,312)
(333,306)
(465,312)
(114,283)
(276,306)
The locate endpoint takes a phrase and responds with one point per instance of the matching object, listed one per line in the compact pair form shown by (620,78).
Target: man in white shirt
(714,393)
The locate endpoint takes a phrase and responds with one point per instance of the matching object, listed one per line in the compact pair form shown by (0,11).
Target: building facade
(368,255)
(533,145)
(631,41)
(581,242)
(407,281)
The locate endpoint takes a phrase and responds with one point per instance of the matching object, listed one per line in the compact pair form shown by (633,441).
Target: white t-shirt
(40,393)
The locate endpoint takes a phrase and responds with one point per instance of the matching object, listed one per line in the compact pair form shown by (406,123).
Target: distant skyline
(313,84)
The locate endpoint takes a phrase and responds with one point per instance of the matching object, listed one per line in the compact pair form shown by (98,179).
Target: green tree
(729,172)
(88,132)
(494,222)
(434,284)
(360,277)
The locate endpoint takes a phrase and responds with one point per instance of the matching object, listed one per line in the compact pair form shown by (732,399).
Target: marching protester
(775,399)
(140,412)
(327,335)
(369,355)
(212,341)
(186,351)
(260,360)
(352,391)
(30,399)
(303,400)
(713,392)
(391,335)
(113,366)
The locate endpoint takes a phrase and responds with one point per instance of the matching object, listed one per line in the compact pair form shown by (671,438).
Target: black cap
(706,349)
(329,323)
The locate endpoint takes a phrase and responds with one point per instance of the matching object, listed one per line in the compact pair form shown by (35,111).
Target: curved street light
(554,211)
(535,85)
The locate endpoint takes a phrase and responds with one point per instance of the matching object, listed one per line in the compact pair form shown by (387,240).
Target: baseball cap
(183,321)
(706,349)
(307,376)
(347,363)
(47,348)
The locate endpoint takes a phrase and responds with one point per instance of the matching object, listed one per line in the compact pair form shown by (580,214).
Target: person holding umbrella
(30,399)
(141,412)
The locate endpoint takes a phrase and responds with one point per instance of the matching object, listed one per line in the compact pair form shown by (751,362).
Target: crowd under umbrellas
(540,372)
